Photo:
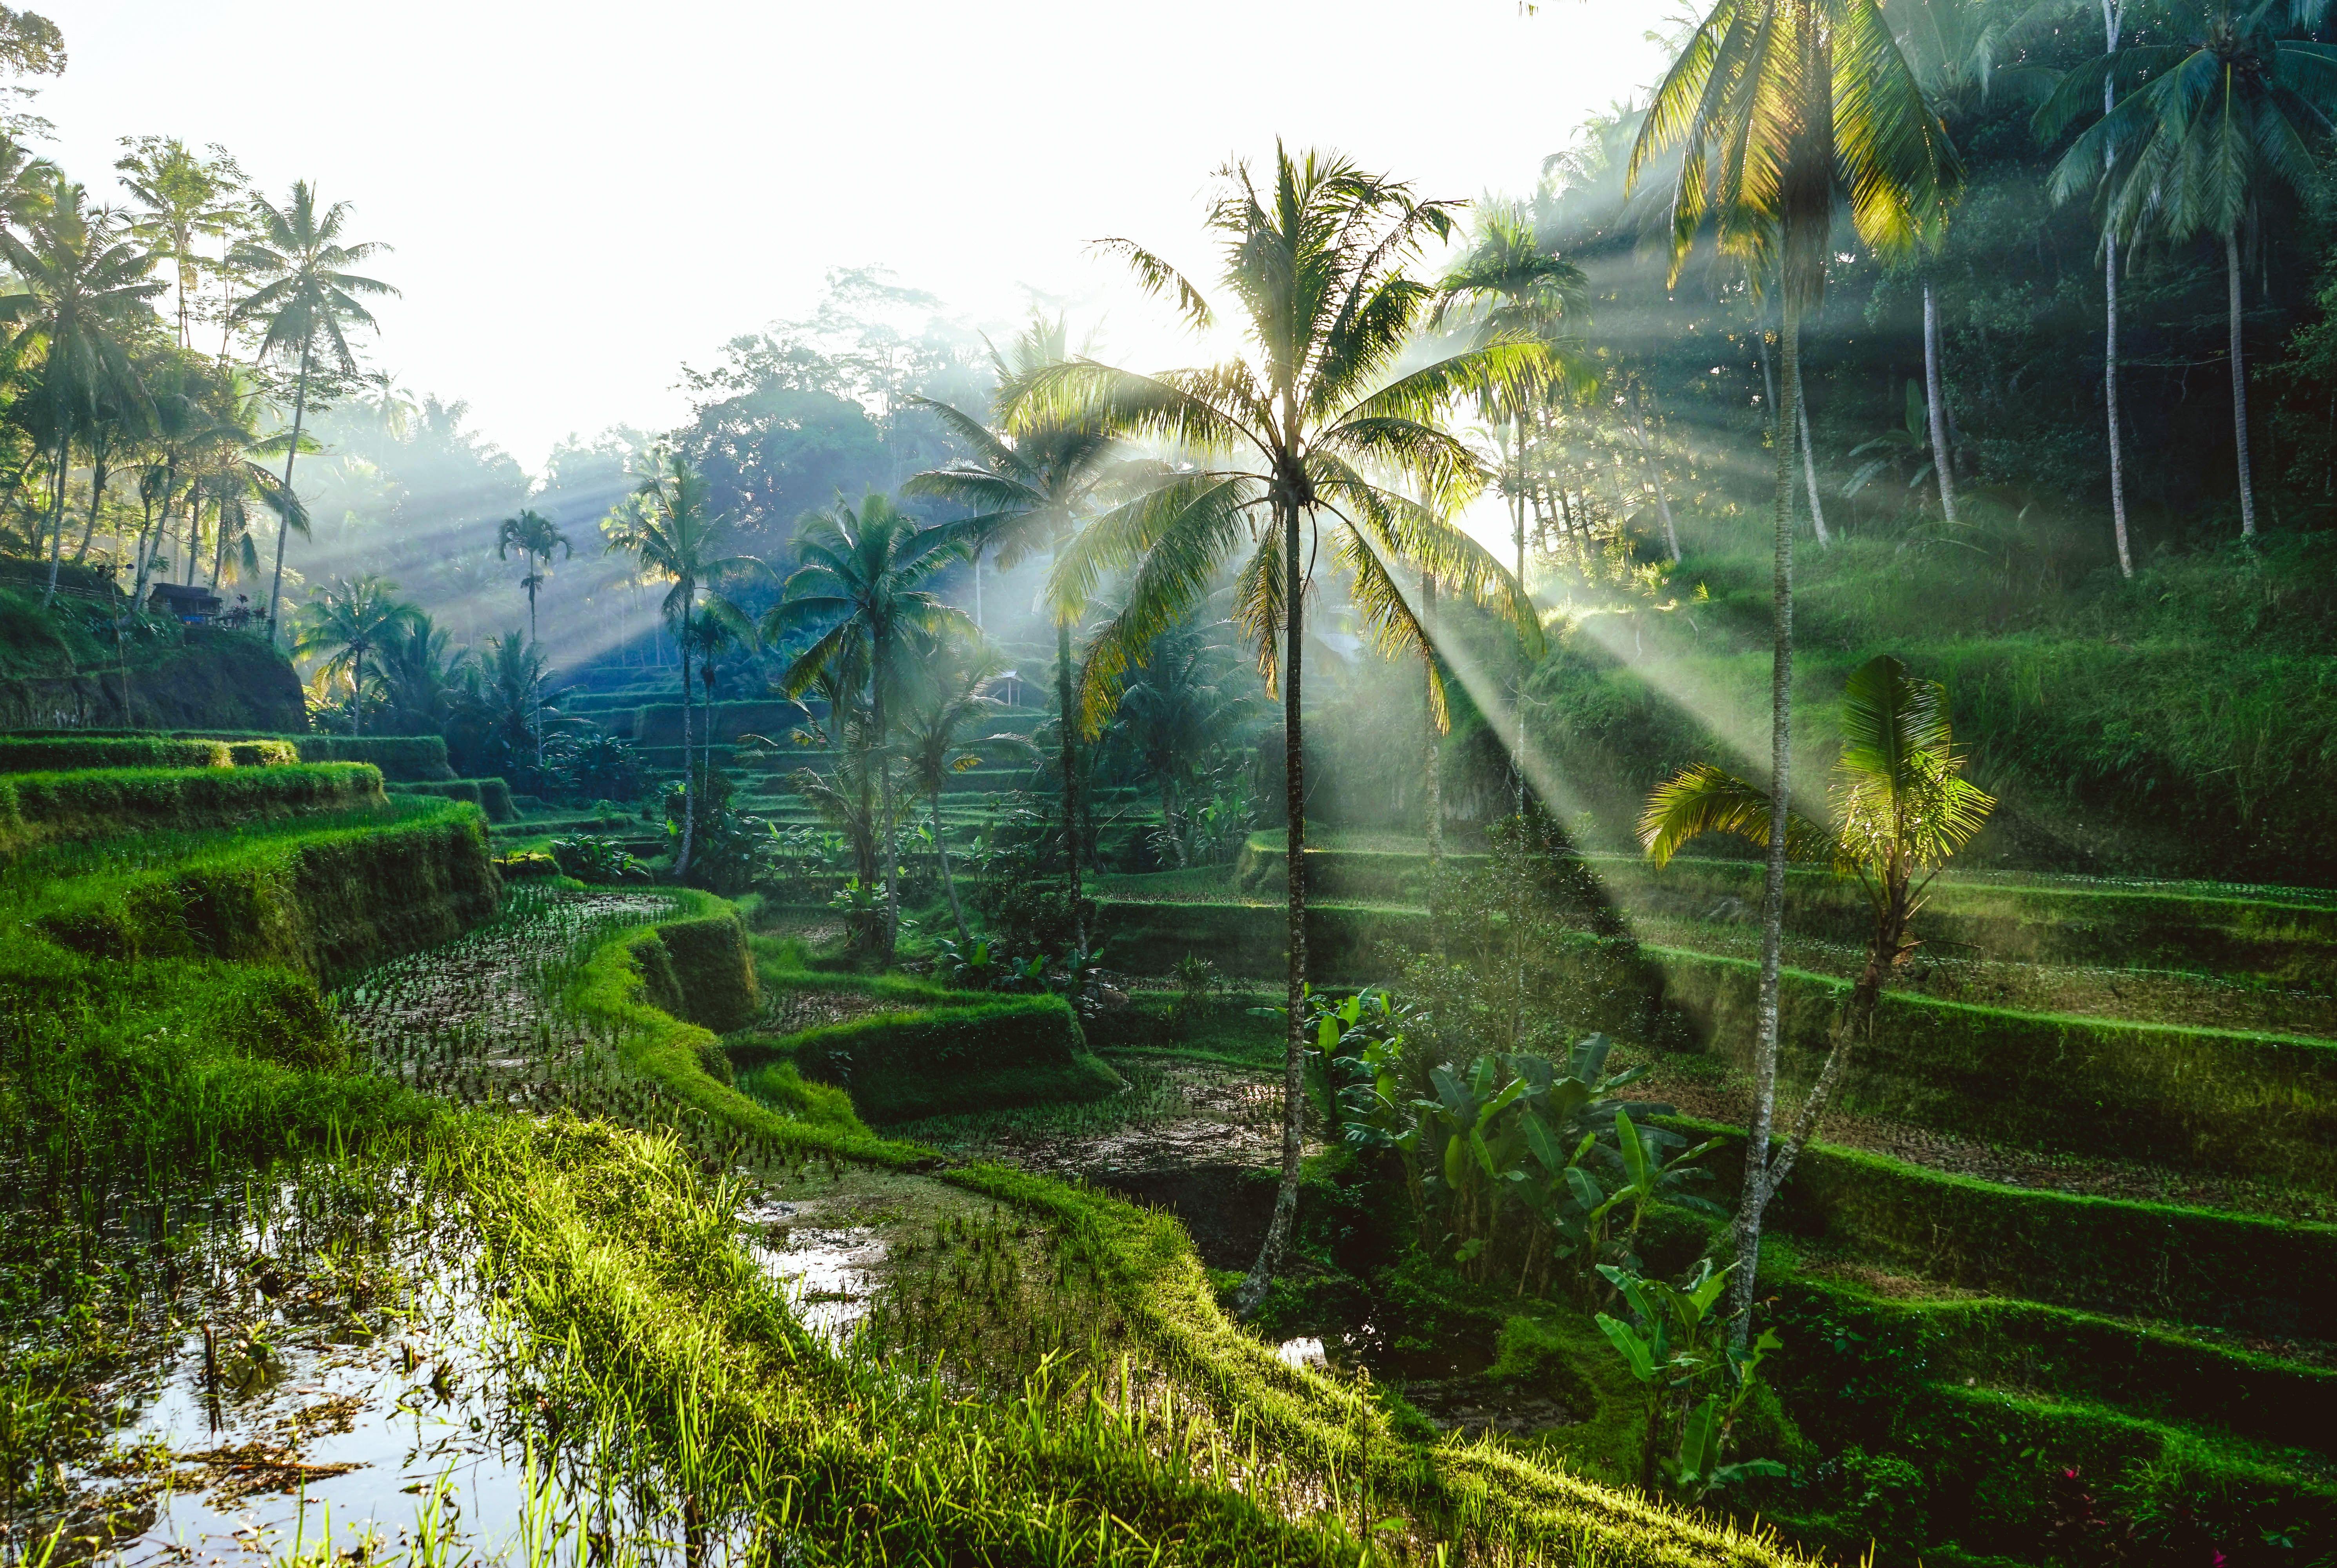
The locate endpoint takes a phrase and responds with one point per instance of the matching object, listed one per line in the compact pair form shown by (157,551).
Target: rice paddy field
(358,1206)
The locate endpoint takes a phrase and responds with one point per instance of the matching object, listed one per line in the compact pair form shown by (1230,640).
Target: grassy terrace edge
(1161,1283)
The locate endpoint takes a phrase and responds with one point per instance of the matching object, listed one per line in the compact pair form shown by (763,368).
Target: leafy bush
(598,861)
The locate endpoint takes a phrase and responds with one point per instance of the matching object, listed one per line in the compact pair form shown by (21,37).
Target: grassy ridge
(72,755)
(325,898)
(2221,1098)
(491,795)
(39,807)
(984,1054)
(2151,1261)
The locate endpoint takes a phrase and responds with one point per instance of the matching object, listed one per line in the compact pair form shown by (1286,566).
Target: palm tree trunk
(1809,455)
(1942,465)
(949,883)
(283,525)
(1756,1196)
(57,521)
(1434,775)
(2239,385)
(1169,823)
(2111,12)
(689,779)
(890,843)
(97,475)
(1068,762)
(537,695)
(1857,1024)
(1655,478)
(1293,1061)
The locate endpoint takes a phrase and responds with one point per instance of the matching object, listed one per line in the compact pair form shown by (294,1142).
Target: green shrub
(72,755)
(36,808)
(402,758)
(262,753)
(900,1066)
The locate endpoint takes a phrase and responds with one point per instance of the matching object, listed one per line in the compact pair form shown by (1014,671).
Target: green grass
(36,808)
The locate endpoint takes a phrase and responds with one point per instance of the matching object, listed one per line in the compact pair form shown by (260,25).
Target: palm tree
(676,539)
(535,537)
(504,696)
(1031,490)
(860,578)
(952,691)
(304,299)
(1513,290)
(422,679)
(1268,446)
(83,292)
(1779,106)
(1178,710)
(1902,807)
(2199,136)
(184,197)
(349,623)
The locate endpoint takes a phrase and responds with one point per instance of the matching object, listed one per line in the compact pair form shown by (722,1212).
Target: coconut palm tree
(535,537)
(1181,707)
(675,538)
(952,691)
(184,198)
(2199,136)
(305,301)
(1901,808)
(82,289)
(1275,450)
(422,678)
(1513,290)
(348,625)
(861,580)
(1027,491)
(1780,107)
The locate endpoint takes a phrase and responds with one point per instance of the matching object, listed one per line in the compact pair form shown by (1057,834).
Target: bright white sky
(584,195)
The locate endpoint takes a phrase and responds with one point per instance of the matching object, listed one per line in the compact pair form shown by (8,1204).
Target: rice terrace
(1529,785)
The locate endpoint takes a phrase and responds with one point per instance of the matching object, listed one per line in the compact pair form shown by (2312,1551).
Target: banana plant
(1697,1382)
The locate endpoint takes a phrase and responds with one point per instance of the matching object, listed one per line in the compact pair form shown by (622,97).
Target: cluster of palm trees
(379,657)
(174,451)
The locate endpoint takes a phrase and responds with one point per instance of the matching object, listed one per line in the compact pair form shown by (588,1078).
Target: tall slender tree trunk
(1068,762)
(2239,385)
(57,521)
(536,704)
(284,524)
(1434,773)
(949,883)
(97,477)
(2113,12)
(1655,479)
(688,777)
(1754,1199)
(1942,465)
(1293,1064)
(891,840)
(1809,453)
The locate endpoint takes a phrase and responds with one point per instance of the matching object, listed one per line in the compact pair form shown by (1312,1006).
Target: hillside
(64,668)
